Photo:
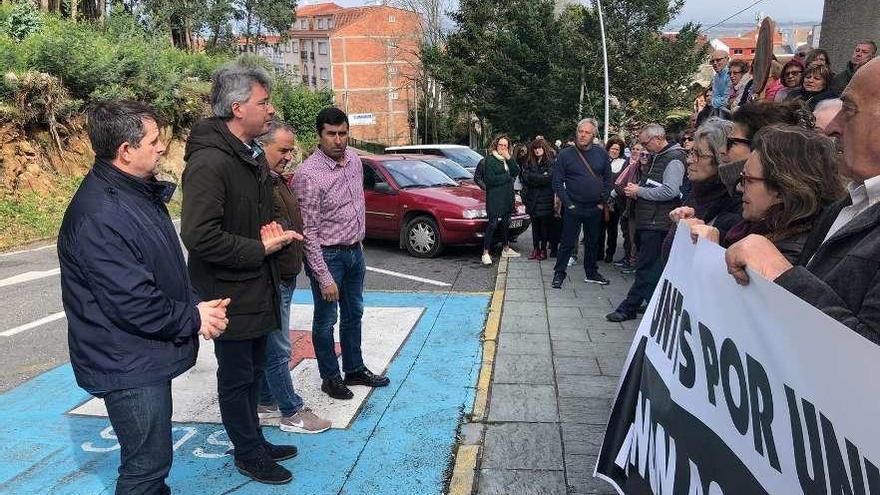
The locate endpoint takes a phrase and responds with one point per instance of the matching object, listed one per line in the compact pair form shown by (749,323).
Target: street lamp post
(605,57)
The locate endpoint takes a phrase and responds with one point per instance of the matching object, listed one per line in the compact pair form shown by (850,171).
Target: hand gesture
(330,293)
(274,237)
(213,318)
(631,190)
(759,254)
(681,213)
(707,232)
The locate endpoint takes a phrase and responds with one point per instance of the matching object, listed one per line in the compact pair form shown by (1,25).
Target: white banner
(741,390)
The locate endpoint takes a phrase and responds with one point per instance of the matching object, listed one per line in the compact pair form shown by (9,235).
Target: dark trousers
(240,375)
(571,227)
(555,234)
(607,245)
(502,224)
(348,268)
(627,238)
(541,231)
(141,419)
(649,267)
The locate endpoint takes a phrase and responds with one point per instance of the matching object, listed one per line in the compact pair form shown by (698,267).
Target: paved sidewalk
(555,372)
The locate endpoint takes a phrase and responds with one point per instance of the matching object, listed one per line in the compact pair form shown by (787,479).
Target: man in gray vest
(657,193)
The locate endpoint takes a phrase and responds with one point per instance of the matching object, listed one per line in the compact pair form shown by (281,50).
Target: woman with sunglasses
(792,77)
(789,178)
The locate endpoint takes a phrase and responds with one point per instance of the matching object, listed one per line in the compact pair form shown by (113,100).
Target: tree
(274,15)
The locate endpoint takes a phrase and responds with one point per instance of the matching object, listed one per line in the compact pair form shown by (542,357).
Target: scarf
(743,229)
(501,159)
(707,197)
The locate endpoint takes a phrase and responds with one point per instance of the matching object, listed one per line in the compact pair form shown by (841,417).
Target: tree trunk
(44,5)
(73,9)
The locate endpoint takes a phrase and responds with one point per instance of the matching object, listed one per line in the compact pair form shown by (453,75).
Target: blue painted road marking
(401,441)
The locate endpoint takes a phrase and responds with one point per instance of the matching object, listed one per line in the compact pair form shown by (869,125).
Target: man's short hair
(870,43)
(111,123)
(234,83)
(275,126)
(591,121)
(330,116)
(653,130)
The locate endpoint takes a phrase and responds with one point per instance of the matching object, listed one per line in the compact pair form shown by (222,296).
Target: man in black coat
(842,274)
(228,226)
(133,317)
(582,181)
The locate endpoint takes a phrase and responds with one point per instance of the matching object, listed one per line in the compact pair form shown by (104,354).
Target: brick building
(368,56)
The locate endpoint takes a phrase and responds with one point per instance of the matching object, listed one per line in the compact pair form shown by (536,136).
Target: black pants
(555,234)
(607,245)
(494,224)
(627,238)
(541,231)
(240,365)
(649,267)
(571,227)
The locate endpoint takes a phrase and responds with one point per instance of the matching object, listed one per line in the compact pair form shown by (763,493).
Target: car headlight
(520,209)
(471,214)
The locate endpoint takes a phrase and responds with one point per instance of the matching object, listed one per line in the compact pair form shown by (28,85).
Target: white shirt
(863,196)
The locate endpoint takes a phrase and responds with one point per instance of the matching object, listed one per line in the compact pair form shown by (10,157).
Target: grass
(37,217)
(34,217)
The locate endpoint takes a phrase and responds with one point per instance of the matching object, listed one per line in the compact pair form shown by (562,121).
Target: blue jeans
(278,385)
(348,269)
(571,226)
(141,419)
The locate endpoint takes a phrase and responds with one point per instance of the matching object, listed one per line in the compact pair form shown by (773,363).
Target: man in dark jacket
(582,181)
(278,398)
(842,274)
(656,195)
(863,52)
(228,226)
(133,318)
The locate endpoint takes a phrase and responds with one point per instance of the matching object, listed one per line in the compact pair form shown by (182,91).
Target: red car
(425,209)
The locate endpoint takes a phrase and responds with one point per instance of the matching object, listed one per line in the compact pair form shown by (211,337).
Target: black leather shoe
(336,389)
(597,278)
(264,470)
(366,377)
(280,452)
(619,316)
(558,278)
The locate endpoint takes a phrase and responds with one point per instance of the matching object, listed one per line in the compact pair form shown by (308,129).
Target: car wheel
(422,237)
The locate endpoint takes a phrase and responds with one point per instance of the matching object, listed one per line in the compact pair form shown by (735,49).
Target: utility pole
(605,57)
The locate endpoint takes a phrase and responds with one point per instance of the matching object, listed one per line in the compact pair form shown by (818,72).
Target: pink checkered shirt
(331,200)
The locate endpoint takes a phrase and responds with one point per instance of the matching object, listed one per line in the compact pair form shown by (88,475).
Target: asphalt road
(31,298)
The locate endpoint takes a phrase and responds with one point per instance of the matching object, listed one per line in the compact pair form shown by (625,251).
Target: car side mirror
(383,187)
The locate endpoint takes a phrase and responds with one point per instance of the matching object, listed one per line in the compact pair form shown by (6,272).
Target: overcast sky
(708,12)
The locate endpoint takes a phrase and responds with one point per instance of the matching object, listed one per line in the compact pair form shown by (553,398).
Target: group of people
(807,77)
(136,307)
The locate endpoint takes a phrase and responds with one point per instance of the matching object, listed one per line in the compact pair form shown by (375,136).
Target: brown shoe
(304,421)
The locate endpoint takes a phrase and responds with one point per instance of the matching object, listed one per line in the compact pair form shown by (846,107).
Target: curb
(466,455)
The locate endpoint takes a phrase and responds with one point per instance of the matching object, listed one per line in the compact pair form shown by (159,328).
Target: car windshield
(413,174)
(465,157)
(449,168)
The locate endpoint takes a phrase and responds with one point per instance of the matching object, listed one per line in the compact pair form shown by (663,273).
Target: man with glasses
(721,82)
(656,195)
(863,52)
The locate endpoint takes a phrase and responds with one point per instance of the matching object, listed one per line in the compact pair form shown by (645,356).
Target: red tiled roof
(317,9)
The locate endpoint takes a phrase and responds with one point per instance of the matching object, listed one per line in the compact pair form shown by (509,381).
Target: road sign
(355,119)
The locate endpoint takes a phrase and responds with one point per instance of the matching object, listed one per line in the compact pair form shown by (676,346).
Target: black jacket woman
(499,170)
(816,87)
(607,244)
(537,194)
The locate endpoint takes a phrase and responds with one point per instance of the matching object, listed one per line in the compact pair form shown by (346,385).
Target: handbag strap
(584,161)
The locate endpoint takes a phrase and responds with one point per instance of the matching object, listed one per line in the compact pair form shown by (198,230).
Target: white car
(458,153)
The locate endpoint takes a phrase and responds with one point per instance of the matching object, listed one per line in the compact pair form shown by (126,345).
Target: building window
(392,71)
(303,23)
(391,18)
(322,48)
(320,23)
(737,51)
(394,95)
(325,74)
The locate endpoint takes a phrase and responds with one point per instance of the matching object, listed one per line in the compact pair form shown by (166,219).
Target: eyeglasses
(694,155)
(718,60)
(732,141)
(735,72)
(749,179)
(793,73)
(688,138)
(800,54)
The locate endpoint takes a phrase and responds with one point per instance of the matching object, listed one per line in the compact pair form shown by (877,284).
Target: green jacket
(499,186)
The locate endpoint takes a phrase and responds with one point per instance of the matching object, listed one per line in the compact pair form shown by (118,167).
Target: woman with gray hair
(709,203)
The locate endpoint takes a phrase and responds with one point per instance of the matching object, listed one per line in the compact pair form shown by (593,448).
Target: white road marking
(33,324)
(408,277)
(13,253)
(29,276)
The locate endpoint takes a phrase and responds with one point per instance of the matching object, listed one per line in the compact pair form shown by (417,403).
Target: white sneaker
(268,412)
(509,253)
(486,259)
(304,421)
(572,261)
